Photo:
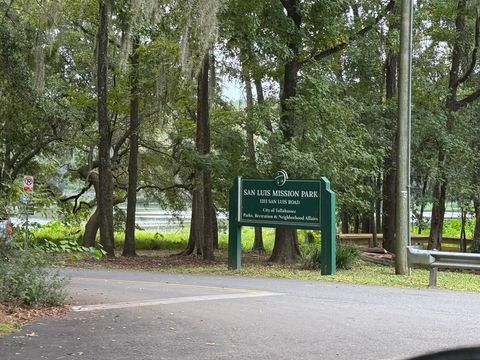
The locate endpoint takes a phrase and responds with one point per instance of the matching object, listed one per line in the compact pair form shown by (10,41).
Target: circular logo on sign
(280,177)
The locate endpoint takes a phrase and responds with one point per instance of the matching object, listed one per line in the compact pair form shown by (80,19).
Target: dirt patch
(159,260)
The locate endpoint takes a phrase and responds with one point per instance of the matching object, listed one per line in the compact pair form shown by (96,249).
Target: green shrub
(346,256)
(72,247)
(310,256)
(25,279)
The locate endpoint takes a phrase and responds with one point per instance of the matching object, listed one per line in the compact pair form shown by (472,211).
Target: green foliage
(25,279)
(150,240)
(452,227)
(58,238)
(7,328)
(310,256)
(347,256)
(71,247)
(56,230)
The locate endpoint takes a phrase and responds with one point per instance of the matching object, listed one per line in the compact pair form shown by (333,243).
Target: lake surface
(149,217)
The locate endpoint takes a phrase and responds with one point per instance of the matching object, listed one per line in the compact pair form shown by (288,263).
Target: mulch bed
(20,315)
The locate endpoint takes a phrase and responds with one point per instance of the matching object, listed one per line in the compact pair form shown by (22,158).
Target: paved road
(137,315)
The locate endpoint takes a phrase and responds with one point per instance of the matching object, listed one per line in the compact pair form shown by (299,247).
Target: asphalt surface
(138,315)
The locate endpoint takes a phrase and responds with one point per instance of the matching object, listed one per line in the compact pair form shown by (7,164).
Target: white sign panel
(28,183)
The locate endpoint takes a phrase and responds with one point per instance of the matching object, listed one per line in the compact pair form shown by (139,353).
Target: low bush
(346,256)
(26,280)
(71,247)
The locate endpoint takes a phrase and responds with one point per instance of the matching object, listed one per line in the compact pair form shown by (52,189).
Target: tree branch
(473,61)
(468,99)
(155,150)
(76,207)
(342,45)
(154,187)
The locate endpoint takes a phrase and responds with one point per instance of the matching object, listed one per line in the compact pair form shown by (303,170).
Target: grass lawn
(254,265)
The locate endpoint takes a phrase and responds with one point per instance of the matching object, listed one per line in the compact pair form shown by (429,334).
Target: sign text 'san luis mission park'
(282,203)
(296,203)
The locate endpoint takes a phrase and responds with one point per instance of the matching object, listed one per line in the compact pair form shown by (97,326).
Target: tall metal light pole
(402,226)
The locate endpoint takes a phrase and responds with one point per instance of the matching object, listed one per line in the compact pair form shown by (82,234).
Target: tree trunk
(366,224)
(389,208)
(251,153)
(129,246)
(259,89)
(438,215)
(345,220)
(191,245)
(356,224)
(286,241)
(91,230)
(476,232)
(92,225)
(373,224)
(202,203)
(285,249)
(389,166)
(378,205)
(250,150)
(463,235)
(105,200)
(422,207)
(441,183)
(214,227)
(261,100)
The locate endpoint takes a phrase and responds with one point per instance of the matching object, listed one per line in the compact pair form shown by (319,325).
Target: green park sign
(279,202)
(296,203)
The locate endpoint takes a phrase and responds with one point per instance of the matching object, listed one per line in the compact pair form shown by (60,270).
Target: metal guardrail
(435,259)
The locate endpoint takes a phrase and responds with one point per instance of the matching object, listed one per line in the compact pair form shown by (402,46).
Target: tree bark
(438,215)
(422,206)
(285,249)
(92,225)
(250,150)
(91,230)
(389,166)
(261,99)
(191,245)
(476,231)
(345,221)
(251,153)
(441,183)
(356,224)
(201,231)
(129,245)
(463,235)
(105,201)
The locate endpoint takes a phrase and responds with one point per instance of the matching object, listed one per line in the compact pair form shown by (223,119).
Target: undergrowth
(25,278)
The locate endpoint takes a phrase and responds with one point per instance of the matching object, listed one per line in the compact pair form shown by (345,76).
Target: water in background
(149,217)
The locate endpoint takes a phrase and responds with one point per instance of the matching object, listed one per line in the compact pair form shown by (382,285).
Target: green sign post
(299,204)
